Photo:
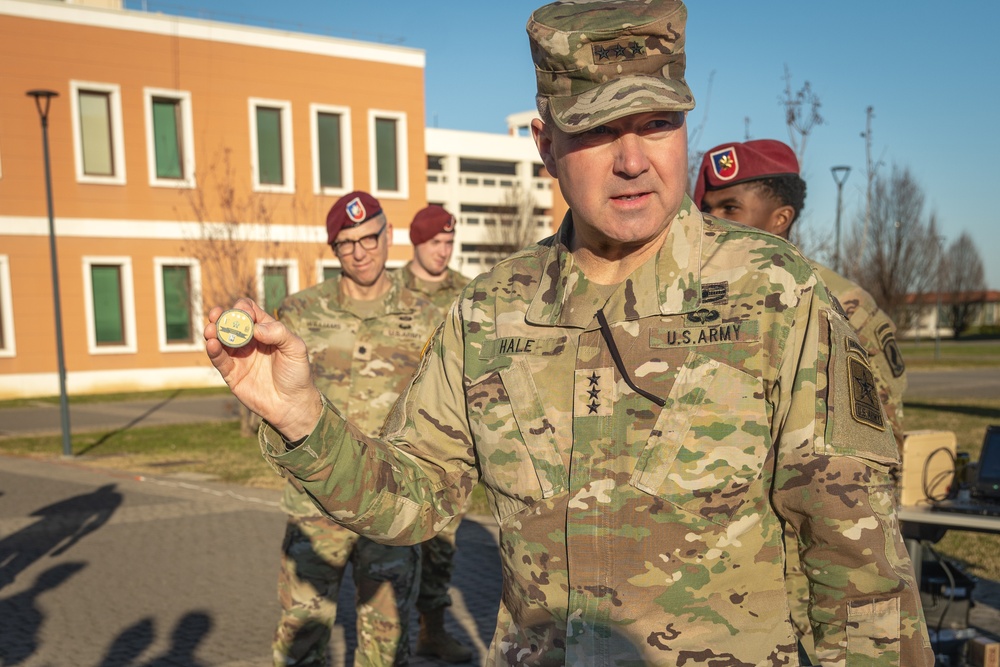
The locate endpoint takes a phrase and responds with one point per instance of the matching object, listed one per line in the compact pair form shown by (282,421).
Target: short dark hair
(789,189)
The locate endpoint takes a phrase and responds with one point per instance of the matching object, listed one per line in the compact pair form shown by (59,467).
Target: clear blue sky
(928,69)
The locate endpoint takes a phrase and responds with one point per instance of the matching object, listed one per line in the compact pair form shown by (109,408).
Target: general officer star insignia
(594,392)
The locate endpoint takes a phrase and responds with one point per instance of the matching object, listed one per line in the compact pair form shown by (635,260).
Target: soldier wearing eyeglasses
(364,331)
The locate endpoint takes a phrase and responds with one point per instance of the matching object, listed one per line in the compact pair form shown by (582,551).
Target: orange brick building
(190,160)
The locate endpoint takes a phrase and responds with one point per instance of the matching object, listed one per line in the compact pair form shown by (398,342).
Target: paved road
(964,383)
(44,418)
(103,569)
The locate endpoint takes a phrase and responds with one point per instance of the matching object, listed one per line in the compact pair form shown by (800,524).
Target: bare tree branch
(901,253)
(515,225)
(801,114)
(964,281)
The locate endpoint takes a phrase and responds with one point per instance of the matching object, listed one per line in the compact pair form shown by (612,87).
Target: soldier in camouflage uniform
(647,397)
(757,183)
(762,188)
(432,233)
(364,332)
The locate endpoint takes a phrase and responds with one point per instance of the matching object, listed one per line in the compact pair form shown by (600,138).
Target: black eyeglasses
(370,242)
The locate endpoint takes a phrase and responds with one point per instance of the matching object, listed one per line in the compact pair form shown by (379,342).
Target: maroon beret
(429,222)
(349,211)
(734,163)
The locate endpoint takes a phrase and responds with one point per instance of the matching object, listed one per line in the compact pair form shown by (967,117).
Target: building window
(435,163)
(271,145)
(169,138)
(109,296)
(97,132)
(178,303)
(328,271)
(332,155)
(7,348)
(477,166)
(276,279)
(388,150)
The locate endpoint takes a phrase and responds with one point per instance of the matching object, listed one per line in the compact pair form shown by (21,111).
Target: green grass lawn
(112,398)
(926,355)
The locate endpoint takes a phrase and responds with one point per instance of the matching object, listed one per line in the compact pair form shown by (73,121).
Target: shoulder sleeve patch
(887,341)
(855,419)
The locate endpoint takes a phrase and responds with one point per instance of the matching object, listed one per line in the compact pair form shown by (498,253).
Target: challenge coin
(235,328)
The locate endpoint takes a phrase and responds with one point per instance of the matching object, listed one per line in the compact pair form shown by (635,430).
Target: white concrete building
(496,187)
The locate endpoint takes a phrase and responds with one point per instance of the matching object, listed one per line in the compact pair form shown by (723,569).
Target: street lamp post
(840,174)
(42,100)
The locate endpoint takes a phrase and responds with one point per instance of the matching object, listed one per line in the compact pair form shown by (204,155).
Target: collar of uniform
(412,282)
(669,284)
(398,299)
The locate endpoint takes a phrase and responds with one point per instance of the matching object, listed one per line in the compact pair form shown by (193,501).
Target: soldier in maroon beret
(432,233)
(757,183)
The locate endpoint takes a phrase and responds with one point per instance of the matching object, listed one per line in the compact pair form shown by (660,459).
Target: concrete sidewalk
(105,569)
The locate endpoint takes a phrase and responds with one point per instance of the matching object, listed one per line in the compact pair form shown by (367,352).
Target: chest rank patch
(594,392)
(865,407)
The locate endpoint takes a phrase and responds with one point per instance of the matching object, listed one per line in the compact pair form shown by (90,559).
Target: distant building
(173,139)
(496,187)
(933,312)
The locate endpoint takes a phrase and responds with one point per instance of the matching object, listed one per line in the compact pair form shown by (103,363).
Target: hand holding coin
(234,328)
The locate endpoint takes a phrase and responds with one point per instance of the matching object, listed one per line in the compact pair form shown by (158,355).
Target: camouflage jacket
(442,293)
(361,362)
(877,334)
(632,533)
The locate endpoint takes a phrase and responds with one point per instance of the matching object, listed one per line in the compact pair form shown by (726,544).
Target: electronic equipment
(928,468)
(984,488)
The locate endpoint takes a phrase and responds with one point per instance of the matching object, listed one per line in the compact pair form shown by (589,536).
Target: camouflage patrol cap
(598,60)
(351,210)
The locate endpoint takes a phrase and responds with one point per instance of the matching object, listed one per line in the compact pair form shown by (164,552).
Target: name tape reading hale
(235,328)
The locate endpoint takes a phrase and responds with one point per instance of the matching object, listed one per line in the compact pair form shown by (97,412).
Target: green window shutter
(177,304)
(166,138)
(328,131)
(275,287)
(269,146)
(95,133)
(330,272)
(386,154)
(107,293)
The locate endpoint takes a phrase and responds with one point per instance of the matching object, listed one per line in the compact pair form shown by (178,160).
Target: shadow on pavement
(127,648)
(59,527)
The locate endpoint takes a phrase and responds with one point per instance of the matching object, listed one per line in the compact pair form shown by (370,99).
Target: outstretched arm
(270,375)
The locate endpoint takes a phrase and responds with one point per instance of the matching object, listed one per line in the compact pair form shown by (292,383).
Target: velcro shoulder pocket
(852,421)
